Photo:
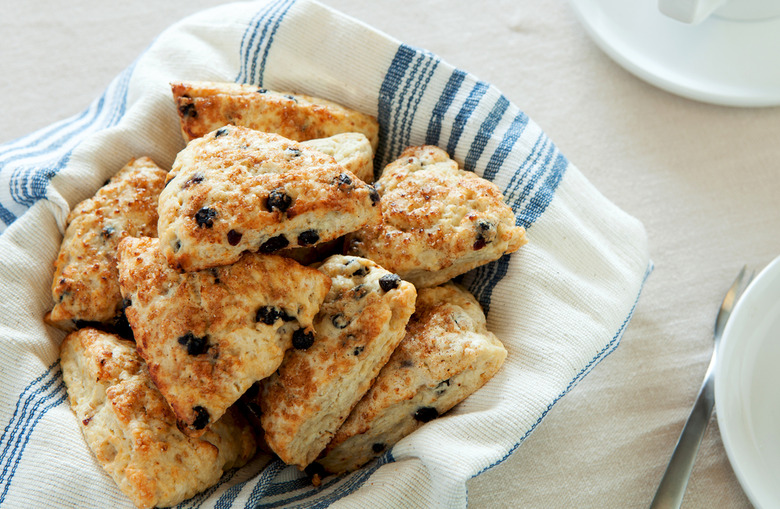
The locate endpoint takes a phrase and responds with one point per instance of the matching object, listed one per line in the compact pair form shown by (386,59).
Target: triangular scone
(132,431)
(438,221)
(237,190)
(351,150)
(359,325)
(206,106)
(85,286)
(447,354)
(207,336)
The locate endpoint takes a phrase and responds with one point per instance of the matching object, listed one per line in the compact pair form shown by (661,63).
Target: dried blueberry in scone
(446,355)
(353,152)
(206,106)
(132,431)
(438,221)
(356,330)
(208,335)
(246,190)
(85,287)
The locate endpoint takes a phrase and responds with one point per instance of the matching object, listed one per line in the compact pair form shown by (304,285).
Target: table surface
(702,178)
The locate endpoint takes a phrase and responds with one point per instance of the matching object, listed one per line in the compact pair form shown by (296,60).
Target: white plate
(719,61)
(747,380)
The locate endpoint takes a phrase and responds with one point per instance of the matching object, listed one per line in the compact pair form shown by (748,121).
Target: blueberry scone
(438,221)
(237,190)
(207,336)
(132,431)
(85,286)
(359,325)
(351,150)
(446,355)
(206,106)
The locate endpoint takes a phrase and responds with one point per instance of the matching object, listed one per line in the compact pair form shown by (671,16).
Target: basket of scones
(272,291)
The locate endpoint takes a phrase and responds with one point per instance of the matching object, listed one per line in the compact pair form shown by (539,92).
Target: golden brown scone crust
(132,431)
(238,190)
(208,336)
(446,355)
(351,150)
(85,287)
(359,325)
(206,106)
(437,221)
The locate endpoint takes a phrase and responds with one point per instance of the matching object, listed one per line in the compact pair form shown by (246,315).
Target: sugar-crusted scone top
(205,106)
(85,287)
(207,336)
(237,190)
(132,430)
(438,221)
(446,355)
(357,328)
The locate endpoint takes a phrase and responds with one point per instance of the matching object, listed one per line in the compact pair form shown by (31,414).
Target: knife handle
(672,487)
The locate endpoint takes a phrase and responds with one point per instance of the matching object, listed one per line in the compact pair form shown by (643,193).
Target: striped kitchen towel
(560,304)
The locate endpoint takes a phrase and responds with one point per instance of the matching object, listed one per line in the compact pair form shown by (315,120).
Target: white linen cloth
(560,304)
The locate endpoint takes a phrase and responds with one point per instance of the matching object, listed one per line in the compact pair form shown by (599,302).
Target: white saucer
(746,388)
(720,61)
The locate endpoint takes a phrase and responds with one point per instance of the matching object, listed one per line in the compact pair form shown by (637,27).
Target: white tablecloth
(702,178)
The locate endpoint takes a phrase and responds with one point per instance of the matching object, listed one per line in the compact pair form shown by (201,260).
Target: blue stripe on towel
(352,484)
(600,355)
(407,107)
(539,202)
(6,216)
(529,204)
(393,128)
(71,128)
(28,185)
(430,69)
(387,91)
(520,172)
(250,47)
(264,481)
(442,105)
(198,500)
(288,486)
(521,188)
(485,278)
(21,407)
(291,488)
(33,166)
(226,500)
(476,94)
(261,70)
(530,188)
(486,130)
(342,486)
(230,495)
(37,398)
(399,104)
(20,174)
(49,133)
(63,395)
(247,41)
(504,148)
